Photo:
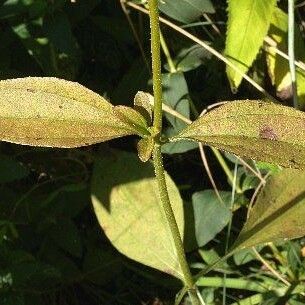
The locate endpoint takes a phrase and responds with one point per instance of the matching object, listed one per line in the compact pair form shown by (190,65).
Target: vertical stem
(291,51)
(156,63)
(171,221)
(157,156)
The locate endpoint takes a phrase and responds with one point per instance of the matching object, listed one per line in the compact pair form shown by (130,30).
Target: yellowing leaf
(248,24)
(253,129)
(127,205)
(278,213)
(53,112)
(278,67)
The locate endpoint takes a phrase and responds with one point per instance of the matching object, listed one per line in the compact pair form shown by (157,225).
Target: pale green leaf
(127,205)
(142,104)
(248,24)
(145,148)
(257,130)
(278,67)
(186,11)
(278,213)
(53,112)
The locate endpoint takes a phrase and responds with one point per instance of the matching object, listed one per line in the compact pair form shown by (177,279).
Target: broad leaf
(278,67)
(53,112)
(127,205)
(257,130)
(210,215)
(248,25)
(278,213)
(190,58)
(186,11)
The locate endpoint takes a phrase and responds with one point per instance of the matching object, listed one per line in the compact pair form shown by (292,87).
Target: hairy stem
(157,156)
(172,224)
(156,63)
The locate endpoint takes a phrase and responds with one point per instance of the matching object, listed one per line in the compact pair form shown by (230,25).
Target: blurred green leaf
(79,10)
(175,95)
(11,170)
(38,46)
(12,299)
(59,33)
(131,82)
(210,215)
(36,275)
(253,129)
(190,58)
(186,11)
(126,203)
(245,256)
(101,266)
(248,24)
(67,268)
(65,234)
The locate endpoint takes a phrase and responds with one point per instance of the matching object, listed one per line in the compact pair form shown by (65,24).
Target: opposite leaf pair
(52,112)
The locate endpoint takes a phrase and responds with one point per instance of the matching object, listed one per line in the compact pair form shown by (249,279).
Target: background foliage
(52,250)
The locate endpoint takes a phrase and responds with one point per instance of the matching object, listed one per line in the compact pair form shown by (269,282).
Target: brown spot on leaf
(267,132)
(30,90)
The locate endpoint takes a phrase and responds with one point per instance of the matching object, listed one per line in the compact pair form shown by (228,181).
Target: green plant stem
(232,283)
(157,156)
(156,63)
(291,51)
(172,224)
